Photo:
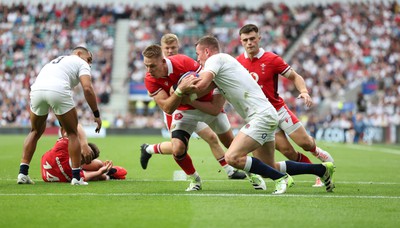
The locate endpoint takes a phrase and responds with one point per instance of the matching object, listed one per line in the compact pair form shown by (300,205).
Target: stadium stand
(347,51)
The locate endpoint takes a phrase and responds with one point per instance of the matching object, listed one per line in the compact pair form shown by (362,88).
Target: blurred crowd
(352,45)
(32,35)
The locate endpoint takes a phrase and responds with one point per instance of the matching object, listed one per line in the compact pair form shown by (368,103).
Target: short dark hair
(248,29)
(209,41)
(82,48)
(95,149)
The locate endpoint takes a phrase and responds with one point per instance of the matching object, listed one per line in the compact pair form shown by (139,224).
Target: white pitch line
(329,195)
(299,181)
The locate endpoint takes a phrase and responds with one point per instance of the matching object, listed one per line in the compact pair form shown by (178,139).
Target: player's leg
(291,125)
(38,125)
(180,141)
(38,116)
(208,135)
(220,126)
(180,135)
(69,121)
(147,150)
(302,139)
(283,145)
(226,138)
(324,171)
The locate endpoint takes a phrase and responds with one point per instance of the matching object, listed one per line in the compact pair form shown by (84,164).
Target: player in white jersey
(170,47)
(258,134)
(53,89)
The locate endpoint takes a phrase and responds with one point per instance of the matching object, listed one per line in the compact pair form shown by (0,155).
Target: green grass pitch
(367,191)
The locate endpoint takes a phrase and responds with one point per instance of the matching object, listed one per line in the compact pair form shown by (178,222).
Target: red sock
(186,164)
(222,161)
(303,158)
(157,148)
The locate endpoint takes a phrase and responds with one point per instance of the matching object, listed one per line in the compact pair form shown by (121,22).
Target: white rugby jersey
(61,74)
(236,85)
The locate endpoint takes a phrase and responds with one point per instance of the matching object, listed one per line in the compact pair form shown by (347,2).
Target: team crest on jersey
(166,83)
(263,67)
(247,126)
(178,116)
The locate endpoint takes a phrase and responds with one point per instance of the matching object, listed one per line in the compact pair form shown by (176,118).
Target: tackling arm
(204,85)
(213,108)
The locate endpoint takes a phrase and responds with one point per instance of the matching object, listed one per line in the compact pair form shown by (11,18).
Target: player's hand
(86,154)
(98,121)
(187,84)
(107,166)
(307,99)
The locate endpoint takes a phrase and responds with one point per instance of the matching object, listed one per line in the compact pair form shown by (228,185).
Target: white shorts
(188,121)
(42,100)
(262,126)
(219,125)
(288,122)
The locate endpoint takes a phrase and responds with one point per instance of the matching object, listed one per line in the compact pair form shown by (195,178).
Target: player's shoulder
(240,57)
(270,54)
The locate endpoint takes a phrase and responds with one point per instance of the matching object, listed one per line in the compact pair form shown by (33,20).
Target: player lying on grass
(56,166)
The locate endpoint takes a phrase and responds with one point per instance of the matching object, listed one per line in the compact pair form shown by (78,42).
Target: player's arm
(167,103)
(91,99)
(213,107)
(100,173)
(300,84)
(204,85)
(86,151)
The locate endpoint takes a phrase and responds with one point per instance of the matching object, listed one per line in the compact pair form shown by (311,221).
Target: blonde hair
(169,38)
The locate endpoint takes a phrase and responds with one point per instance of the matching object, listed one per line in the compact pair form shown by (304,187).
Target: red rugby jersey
(55,166)
(177,66)
(265,68)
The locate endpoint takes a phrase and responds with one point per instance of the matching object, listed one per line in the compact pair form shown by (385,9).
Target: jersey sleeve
(281,66)
(213,64)
(84,68)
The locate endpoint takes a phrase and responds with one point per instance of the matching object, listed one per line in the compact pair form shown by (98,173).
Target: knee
(178,148)
(232,159)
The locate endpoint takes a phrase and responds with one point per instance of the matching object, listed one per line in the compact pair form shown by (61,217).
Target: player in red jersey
(170,47)
(265,67)
(162,74)
(56,164)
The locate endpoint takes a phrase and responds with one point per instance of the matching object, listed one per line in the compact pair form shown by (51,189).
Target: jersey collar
(260,53)
(169,65)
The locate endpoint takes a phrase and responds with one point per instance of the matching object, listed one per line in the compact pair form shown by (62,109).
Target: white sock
(248,164)
(150,149)
(196,176)
(282,167)
(228,169)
